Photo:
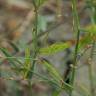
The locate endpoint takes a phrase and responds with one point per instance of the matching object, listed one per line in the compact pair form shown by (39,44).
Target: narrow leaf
(57,47)
(55,74)
(27,62)
(11,60)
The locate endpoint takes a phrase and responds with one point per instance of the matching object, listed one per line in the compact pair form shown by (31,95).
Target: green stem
(35,42)
(75,29)
(34,47)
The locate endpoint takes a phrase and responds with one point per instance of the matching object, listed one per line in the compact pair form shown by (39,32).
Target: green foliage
(55,78)
(14,46)
(90,35)
(10,58)
(54,48)
(55,75)
(91,29)
(85,41)
(27,63)
(52,70)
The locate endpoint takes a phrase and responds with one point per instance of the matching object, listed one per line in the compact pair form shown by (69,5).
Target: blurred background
(55,23)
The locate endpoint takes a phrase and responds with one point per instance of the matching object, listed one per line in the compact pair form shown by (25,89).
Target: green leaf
(91,29)
(55,74)
(90,35)
(57,47)
(52,70)
(9,57)
(14,46)
(6,53)
(27,63)
(85,41)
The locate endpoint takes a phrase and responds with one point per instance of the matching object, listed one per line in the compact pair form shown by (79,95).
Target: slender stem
(75,29)
(35,41)
(34,47)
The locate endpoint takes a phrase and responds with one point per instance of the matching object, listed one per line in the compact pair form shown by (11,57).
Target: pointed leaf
(52,49)
(55,74)
(8,56)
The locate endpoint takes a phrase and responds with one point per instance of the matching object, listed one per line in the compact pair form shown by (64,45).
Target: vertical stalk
(92,17)
(35,41)
(34,47)
(75,29)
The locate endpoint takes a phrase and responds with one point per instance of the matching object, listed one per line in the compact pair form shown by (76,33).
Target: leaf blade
(54,48)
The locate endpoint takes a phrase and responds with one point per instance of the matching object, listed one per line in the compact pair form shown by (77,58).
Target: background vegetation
(47,47)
